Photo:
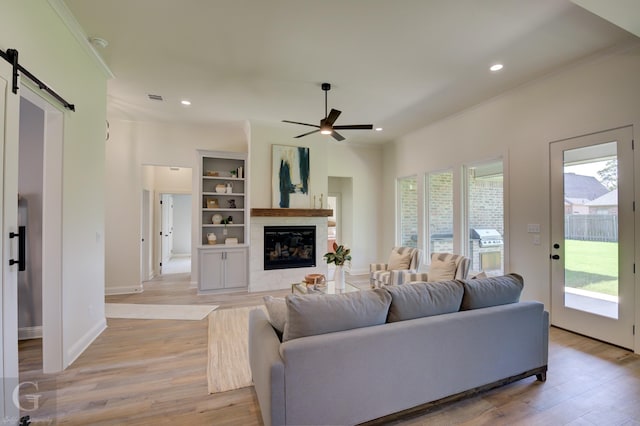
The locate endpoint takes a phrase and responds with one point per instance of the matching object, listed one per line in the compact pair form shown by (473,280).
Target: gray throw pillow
(419,300)
(277,310)
(491,291)
(311,314)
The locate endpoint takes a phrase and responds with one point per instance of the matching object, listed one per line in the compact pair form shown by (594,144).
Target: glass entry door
(592,236)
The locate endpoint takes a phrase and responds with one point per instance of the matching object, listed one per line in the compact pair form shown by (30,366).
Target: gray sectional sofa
(351,358)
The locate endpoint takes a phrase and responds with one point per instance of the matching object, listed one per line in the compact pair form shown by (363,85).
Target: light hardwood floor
(152,372)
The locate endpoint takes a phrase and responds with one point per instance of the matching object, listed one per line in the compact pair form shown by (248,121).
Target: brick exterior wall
(408,191)
(485,207)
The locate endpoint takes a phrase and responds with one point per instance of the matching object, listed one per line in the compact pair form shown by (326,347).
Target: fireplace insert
(289,247)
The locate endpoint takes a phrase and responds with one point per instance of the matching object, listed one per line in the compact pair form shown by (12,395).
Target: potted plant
(339,256)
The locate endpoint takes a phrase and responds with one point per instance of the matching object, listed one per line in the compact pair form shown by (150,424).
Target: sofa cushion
(277,310)
(442,270)
(423,299)
(491,291)
(400,258)
(311,314)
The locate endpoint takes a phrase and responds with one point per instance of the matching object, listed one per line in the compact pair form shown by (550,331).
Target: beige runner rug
(169,312)
(228,363)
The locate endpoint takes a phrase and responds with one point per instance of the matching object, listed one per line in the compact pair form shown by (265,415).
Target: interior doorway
(39,191)
(340,225)
(166,221)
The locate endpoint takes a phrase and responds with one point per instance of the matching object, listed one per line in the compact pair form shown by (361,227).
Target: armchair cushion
(442,270)
(400,258)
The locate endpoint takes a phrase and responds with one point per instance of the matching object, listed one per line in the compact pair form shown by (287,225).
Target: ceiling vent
(155,97)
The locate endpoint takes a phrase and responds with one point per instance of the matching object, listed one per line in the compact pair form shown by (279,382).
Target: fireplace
(289,247)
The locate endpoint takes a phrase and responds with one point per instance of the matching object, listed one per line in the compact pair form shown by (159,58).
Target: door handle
(22,252)
(555,256)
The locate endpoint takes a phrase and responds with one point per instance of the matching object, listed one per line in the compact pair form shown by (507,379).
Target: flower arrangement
(340,255)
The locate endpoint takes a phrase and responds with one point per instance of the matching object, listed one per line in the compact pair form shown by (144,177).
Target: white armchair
(401,260)
(443,267)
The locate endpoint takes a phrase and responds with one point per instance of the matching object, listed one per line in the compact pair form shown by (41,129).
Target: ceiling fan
(326,126)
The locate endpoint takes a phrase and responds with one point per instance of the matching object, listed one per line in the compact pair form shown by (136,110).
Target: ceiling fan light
(325,131)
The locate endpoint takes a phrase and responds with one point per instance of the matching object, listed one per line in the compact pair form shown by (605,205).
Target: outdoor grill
(489,237)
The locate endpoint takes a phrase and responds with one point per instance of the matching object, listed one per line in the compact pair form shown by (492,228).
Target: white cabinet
(222,268)
(224,213)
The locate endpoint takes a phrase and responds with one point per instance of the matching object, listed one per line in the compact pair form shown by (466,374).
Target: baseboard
(26,333)
(81,345)
(110,291)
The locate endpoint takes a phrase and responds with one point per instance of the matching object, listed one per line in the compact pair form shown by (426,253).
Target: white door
(592,235)
(166,233)
(9,126)
(145,237)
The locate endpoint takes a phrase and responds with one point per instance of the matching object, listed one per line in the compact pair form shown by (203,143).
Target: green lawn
(592,265)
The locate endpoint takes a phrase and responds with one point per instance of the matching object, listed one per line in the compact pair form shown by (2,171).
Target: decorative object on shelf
(230,220)
(321,206)
(232,203)
(216,219)
(234,173)
(211,173)
(229,188)
(212,203)
(290,176)
(314,202)
(211,238)
(221,188)
(231,241)
(240,172)
(339,256)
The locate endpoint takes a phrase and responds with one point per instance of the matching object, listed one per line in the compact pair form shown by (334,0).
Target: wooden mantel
(291,212)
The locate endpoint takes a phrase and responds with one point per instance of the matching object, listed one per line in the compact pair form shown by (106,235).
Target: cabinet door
(236,268)
(211,269)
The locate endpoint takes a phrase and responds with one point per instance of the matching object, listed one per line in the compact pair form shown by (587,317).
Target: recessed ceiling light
(496,67)
(185,102)
(378,129)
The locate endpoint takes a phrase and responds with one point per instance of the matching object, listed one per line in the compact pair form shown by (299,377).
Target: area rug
(167,312)
(228,362)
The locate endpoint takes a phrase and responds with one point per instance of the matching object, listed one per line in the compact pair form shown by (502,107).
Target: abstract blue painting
(290,176)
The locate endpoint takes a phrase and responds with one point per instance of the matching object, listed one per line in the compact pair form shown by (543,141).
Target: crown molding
(78,33)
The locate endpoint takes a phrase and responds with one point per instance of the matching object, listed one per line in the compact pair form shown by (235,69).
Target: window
(408,211)
(439,208)
(485,217)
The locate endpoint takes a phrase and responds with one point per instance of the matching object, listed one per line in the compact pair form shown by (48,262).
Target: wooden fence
(591,227)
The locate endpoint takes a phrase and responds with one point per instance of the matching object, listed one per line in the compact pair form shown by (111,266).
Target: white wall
(132,145)
(599,94)
(49,51)
(364,166)
(328,158)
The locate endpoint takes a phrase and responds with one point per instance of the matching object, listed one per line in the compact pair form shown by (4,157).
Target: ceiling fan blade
(332,117)
(302,124)
(355,127)
(308,133)
(337,136)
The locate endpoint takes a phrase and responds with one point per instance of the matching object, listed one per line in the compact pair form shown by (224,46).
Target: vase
(338,277)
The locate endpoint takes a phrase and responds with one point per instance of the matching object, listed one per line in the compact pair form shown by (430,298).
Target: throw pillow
(400,258)
(311,314)
(277,310)
(417,300)
(491,291)
(442,270)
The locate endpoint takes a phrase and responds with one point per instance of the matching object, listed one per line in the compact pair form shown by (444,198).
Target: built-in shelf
(291,212)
